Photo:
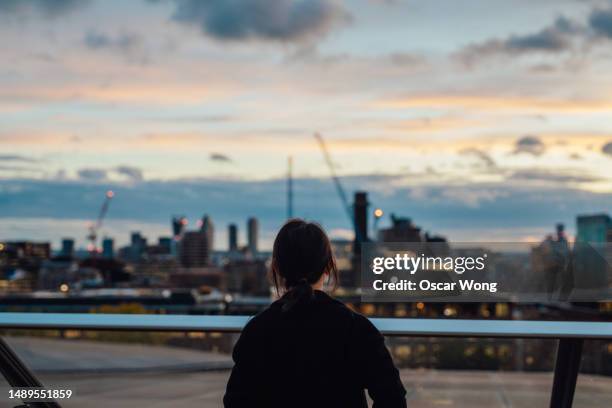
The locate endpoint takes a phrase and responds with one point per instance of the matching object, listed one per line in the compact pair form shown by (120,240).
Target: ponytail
(299,294)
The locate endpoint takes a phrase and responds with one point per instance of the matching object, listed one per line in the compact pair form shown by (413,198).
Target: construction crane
(339,189)
(94,227)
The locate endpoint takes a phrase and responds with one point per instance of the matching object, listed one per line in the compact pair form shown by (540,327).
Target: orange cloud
(495,103)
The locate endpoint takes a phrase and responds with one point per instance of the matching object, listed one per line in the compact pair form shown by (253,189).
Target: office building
(138,244)
(402,229)
(252,234)
(593,228)
(179,223)
(67,248)
(108,248)
(232,232)
(207,227)
(165,244)
(591,268)
(194,249)
(360,216)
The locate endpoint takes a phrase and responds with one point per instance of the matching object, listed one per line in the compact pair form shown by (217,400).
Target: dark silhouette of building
(252,232)
(67,248)
(194,249)
(232,231)
(179,223)
(165,244)
(352,278)
(108,248)
(402,229)
(360,216)
(207,227)
(591,269)
(138,245)
(593,228)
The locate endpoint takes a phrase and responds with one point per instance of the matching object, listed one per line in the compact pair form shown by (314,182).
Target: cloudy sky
(479,119)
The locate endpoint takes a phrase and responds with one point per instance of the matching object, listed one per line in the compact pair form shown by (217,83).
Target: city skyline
(478,126)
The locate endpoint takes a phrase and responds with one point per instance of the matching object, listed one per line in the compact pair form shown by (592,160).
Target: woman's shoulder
(324,304)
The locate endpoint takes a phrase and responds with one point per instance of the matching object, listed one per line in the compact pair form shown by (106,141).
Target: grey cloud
(219,157)
(276,20)
(551,39)
(607,149)
(124,41)
(530,145)
(600,22)
(129,44)
(133,173)
(558,177)
(483,156)
(16,158)
(91,174)
(49,8)
(490,206)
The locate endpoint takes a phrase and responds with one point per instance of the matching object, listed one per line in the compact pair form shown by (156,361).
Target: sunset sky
(481,120)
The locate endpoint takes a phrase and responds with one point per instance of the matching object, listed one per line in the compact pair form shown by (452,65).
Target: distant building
(360,214)
(343,251)
(67,250)
(20,263)
(165,243)
(402,229)
(351,278)
(194,249)
(252,233)
(591,270)
(179,223)
(232,232)
(138,245)
(593,228)
(207,227)
(247,277)
(108,248)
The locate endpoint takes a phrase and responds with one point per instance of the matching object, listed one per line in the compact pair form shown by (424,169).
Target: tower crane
(339,189)
(94,227)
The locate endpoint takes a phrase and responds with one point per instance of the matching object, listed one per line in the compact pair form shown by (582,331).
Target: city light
(2,246)
(64,288)
(378,213)
(110,194)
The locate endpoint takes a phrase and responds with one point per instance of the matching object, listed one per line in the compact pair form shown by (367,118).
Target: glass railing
(172,360)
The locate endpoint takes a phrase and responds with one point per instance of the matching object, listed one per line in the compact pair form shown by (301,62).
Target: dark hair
(301,254)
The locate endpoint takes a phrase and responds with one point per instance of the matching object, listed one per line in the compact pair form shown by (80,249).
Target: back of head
(301,255)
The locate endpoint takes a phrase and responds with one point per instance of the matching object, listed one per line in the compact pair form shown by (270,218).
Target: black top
(319,354)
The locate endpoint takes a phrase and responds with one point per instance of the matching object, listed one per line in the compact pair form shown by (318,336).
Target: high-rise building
(108,248)
(360,217)
(207,227)
(165,243)
(138,245)
(252,233)
(591,267)
(67,248)
(593,228)
(179,223)
(194,249)
(232,232)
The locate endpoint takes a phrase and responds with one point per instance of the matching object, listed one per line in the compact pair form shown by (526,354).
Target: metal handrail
(387,326)
(571,335)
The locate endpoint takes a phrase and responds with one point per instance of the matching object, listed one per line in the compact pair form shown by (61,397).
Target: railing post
(567,365)
(18,375)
